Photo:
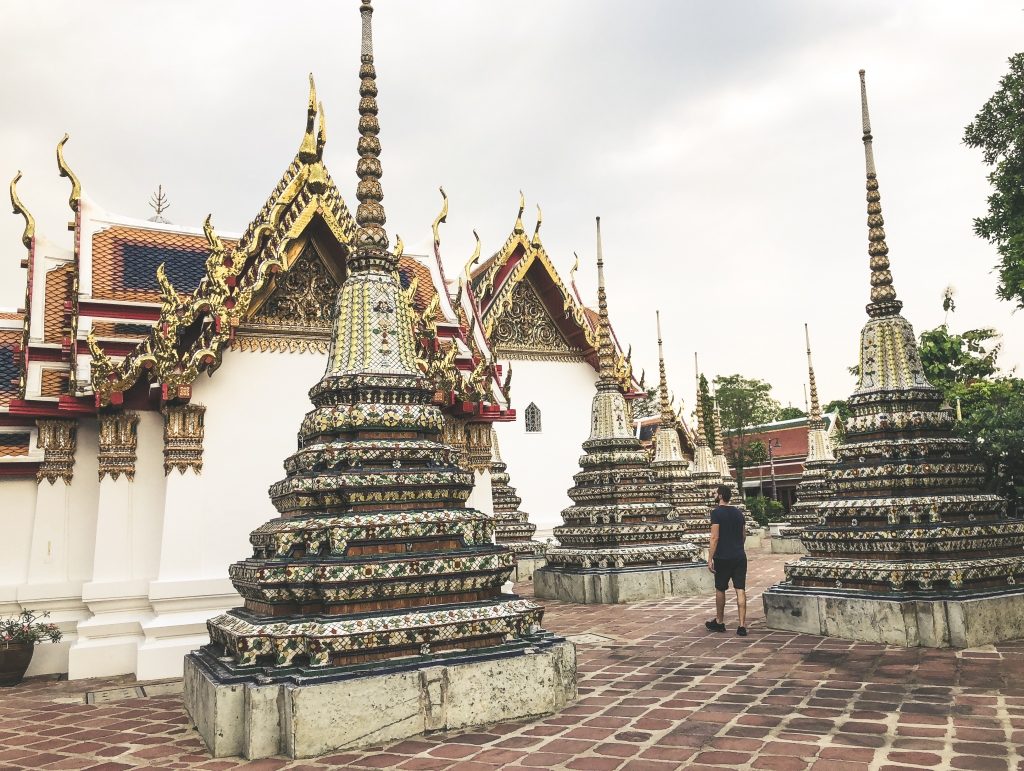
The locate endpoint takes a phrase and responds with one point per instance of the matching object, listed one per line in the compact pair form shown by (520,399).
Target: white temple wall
(254,405)
(18,503)
(541,465)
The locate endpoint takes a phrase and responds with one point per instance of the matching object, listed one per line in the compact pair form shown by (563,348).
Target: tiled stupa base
(304,714)
(940,622)
(616,585)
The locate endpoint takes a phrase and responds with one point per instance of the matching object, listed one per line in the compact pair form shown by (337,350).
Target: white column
(63,535)
(181,597)
(130,512)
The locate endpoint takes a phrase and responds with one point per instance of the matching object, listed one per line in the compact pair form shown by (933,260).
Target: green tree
(998,131)
(789,413)
(745,402)
(963,366)
(951,359)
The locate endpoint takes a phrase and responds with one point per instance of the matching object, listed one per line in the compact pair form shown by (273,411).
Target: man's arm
(712,546)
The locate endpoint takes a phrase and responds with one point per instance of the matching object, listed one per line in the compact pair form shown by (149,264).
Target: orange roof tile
(54,382)
(14,443)
(409,268)
(9,369)
(125,259)
(57,289)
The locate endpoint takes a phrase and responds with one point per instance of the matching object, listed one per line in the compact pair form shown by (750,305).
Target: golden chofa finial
(65,171)
(29,232)
(473,259)
(536,228)
(212,239)
(883,293)
(308,150)
(518,228)
(442,216)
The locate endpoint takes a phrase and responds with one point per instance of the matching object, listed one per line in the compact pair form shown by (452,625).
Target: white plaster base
(928,623)
(753,539)
(303,721)
(178,626)
(787,545)
(626,585)
(108,642)
(526,567)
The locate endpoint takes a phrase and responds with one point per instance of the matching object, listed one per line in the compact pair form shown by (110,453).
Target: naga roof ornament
(75,199)
(29,232)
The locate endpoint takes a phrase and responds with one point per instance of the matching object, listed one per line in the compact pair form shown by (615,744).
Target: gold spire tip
(65,171)
(19,208)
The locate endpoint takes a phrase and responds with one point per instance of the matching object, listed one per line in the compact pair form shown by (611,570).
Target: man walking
(727,560)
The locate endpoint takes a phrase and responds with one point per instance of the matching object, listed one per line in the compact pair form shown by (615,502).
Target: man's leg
(720,606)
(741,605)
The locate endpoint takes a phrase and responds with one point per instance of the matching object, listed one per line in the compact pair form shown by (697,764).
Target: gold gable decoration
(527,331)
(498,302)
(191,333)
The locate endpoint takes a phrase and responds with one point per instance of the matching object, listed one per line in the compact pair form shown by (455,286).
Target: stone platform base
(957,622)
(609,585)
(782,544)
(526,567)
(257,720)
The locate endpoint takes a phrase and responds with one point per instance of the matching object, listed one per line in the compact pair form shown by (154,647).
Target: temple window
(532,418)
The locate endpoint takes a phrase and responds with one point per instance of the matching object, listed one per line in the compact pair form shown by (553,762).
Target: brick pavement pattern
(659,693)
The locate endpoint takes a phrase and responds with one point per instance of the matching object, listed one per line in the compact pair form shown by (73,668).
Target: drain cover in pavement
(589,638)
(112,694)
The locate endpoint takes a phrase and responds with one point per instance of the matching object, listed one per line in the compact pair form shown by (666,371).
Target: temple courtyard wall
(132,569)
(542,463)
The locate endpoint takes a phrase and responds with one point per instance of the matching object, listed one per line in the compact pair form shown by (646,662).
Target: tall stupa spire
(605,349)
(668,415)
(883,293)
(371,240)
(815,406)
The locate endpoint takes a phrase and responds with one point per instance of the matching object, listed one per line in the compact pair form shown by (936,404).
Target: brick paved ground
(660,694)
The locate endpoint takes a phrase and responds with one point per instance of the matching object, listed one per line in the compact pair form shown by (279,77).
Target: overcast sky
(719,142)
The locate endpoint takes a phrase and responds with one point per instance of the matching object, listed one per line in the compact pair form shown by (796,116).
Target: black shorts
(736,570)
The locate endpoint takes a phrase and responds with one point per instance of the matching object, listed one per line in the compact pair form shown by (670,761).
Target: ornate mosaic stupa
(673,468)
(512,528)
(910,550)
(375,565)
(618,543)
(814,486)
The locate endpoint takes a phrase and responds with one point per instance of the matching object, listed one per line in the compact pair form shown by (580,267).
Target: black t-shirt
(730,533)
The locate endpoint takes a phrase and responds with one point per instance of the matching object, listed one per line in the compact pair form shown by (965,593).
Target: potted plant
(18,636)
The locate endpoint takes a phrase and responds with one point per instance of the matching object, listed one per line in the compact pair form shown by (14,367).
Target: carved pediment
(526,329)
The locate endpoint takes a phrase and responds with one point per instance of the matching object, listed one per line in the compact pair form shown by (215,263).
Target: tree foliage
(789,413)
(744,402)
(950,358)
(963,366)
(998,131)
